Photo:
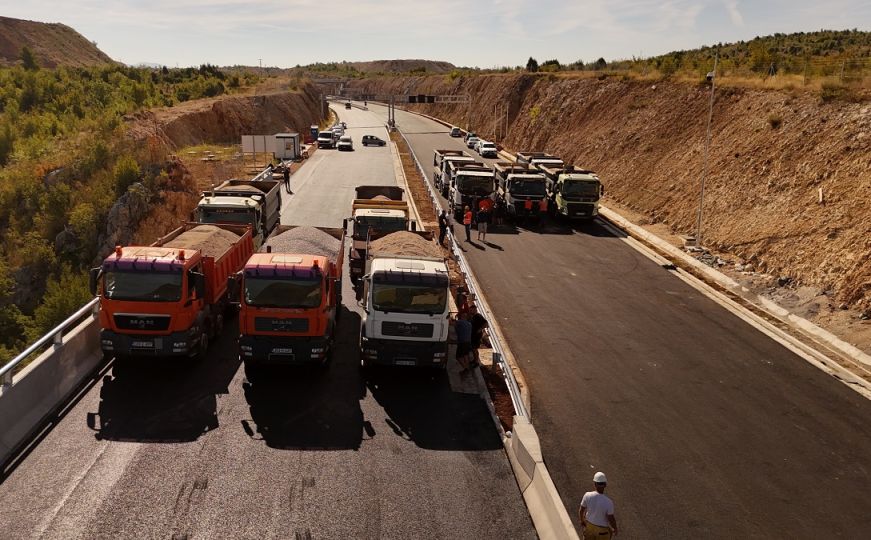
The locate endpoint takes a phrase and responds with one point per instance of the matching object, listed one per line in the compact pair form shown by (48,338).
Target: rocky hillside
(53,44)
(789,189)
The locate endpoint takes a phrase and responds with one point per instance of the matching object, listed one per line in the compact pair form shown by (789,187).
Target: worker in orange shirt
(467,222)
(542,208)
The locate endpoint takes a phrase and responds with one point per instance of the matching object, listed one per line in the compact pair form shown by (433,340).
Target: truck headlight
(439,355)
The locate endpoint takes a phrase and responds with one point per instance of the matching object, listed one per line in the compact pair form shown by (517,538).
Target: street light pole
(707,150)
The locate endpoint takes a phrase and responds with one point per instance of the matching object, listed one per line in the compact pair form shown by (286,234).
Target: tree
(532,65)
(600,64)
(28,60)
(126,172)
(7,142)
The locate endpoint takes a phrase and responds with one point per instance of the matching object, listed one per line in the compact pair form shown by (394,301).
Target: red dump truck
(169,298)
(291,296)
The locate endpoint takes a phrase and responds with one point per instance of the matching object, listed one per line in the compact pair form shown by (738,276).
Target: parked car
(372,140)
(348,105)
(472,141)
(345,143)
(469,134)
(487,149)
(456,132)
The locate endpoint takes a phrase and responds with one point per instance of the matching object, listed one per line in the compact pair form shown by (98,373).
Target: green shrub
(63,296)
(7,144)
(126,173)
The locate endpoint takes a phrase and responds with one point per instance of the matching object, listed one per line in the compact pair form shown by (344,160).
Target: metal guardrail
(55,336)
(471,283)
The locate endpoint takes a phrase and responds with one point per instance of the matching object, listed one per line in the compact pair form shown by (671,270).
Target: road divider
(522,446)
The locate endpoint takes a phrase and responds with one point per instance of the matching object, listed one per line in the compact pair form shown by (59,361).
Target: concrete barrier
(46,384)
(550,517)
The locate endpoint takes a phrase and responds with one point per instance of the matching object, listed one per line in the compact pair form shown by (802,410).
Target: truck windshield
(527,187)
(475,185)
(381,224)
(227,215)
(409,298)
(580,188)
(282,293)
(143,286)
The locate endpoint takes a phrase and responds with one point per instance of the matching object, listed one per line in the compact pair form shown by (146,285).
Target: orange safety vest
(542,205)
(528,204)
(467,218)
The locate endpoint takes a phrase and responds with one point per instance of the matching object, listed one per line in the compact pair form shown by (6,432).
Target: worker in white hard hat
(597,511)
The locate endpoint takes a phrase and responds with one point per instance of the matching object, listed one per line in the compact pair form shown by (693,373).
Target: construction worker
(467,222)
(287,178)
(597,511)
(443,227)
(542,208)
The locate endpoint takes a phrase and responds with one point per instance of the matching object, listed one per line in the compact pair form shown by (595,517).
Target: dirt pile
(304,241)
(405,243)
(53,44)
(212,241)
(789,183)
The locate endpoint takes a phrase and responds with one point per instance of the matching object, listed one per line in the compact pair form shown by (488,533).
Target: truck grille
(390,328)
(580,209)
(269,324)
(130,321)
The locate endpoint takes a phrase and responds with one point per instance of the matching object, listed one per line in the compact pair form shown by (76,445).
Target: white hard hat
(599,478)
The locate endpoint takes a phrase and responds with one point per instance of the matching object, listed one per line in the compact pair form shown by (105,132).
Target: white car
(486,149)
(472,141)
(345,143)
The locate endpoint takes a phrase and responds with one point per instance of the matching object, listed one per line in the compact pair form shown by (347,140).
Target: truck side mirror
(345,224)
(199,285)
(233,283)
(601,190)
(94,279)
(413,225)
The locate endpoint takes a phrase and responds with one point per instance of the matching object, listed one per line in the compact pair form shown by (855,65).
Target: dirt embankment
(771,154)
(217,121)
(52,44)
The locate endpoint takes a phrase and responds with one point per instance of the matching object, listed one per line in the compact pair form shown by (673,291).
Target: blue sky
(484,33)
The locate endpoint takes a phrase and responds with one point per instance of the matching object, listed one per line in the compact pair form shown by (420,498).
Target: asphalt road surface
(177,449)
(705,427)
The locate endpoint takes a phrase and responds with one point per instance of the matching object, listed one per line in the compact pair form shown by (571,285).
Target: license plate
(405,363)
(282,351)
(143,344)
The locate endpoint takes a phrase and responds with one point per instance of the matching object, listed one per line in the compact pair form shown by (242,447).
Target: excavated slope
(53,44)
(771,154)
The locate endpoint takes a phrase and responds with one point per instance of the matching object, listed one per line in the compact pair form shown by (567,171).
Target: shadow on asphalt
(421,408)
(165,399)
(310,407)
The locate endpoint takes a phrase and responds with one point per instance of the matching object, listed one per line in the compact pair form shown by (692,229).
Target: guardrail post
(58,338)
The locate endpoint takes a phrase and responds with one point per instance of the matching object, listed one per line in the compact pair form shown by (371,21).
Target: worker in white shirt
(597,511)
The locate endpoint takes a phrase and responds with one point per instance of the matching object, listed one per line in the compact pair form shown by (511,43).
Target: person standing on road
(597,511)
(443,227)
(467,222)
(542,207)
(483,222)
(287,178)
(463,329)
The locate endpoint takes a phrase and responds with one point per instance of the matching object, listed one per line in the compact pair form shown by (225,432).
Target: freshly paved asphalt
(176,449)
(705,427)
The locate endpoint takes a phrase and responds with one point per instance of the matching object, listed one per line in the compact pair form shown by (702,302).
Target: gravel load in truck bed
(242,187)
(405,243)
(304,240)
(212,241)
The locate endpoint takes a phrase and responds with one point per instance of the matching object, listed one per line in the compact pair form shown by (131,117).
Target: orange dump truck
(291,295)
(169,298)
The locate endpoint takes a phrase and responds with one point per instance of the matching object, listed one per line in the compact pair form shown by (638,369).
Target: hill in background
(375,67)
(53,44)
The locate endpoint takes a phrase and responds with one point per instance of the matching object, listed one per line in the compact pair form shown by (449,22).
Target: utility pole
(707,150)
